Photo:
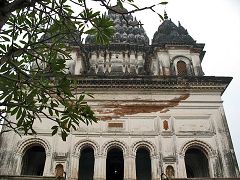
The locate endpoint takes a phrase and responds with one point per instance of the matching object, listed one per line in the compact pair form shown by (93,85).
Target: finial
(179,24)
(165,15)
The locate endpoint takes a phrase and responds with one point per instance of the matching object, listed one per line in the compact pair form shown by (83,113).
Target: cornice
(153,82)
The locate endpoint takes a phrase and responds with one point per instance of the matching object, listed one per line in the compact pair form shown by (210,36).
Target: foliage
(33,55)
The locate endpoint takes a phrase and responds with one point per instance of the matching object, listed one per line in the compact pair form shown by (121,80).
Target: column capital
(100,156)
(154,156)
(129,156)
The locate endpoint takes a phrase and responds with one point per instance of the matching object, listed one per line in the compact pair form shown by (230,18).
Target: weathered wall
(164,122)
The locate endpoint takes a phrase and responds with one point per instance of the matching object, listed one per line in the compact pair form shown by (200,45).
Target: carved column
(74,167)
(47,167)
(132,167)
(100,167)
(212,160)
(132,62)
(163,59)
(196,64)
(18,160)
(181,167)
(155,168)
(129,168)
(126,167)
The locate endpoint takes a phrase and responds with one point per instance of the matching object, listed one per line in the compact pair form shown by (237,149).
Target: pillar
(196,64)
(19,164)
(211,162)
(47,167)
(155,168)
(74,167)
(129,167)
(181,169)
(99,167)
(163,59)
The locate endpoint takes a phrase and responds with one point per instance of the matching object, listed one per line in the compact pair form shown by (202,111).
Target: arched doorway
(33,161)
(181,68)
(86,164)
(115,164)
(196,163)
(143,164)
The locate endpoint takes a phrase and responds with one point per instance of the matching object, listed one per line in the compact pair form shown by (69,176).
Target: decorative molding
(151,82)
(24,144)
(169,159)
(179,58)
(115,143)
(83,144)
(203,146)
(144,144)
(60,156)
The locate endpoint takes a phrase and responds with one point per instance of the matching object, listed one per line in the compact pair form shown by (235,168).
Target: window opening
(143,164)
(181,68)
(196,163)
(86,164)
(33,161)
(115,164)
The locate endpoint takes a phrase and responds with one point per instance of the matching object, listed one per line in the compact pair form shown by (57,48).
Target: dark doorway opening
(196,163)
(33,161)
(143,164)
(115,164)
(86,164)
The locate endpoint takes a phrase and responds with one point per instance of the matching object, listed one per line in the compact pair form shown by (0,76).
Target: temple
(160,116)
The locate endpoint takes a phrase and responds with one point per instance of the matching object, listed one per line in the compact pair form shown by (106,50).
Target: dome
(169,33)
(127,30)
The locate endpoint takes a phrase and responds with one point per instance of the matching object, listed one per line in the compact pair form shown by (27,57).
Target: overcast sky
(217,24)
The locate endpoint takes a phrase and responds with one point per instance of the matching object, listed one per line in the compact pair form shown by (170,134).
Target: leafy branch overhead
(34,49)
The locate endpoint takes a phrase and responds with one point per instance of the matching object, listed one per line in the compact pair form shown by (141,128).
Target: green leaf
(160,16)
(23,114)
(81,97)
(91,31)
(6,38)
(57,112)
(54,127)
(54,131)
(14,111)
(19,113)
(23,42)
(20,123)
(64,135)
(50,111)
(164,3)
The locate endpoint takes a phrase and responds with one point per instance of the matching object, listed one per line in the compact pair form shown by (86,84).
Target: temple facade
(159,115)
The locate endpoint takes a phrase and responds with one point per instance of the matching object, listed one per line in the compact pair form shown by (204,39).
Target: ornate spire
(128,30)
(165,15)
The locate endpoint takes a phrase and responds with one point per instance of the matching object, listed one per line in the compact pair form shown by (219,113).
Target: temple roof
(127,28)
(169,33)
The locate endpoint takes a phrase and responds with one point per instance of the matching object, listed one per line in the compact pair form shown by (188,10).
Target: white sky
(217,24)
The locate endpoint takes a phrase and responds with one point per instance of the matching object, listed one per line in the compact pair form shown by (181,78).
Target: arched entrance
(143,164)
(196,163)
(86,164)
(33,161)
(115,164)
